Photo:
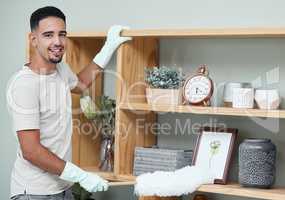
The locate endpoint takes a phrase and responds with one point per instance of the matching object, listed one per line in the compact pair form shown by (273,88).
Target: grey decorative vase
(257,159)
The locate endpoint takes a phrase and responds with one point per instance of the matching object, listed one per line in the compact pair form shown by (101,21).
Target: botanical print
(214,149)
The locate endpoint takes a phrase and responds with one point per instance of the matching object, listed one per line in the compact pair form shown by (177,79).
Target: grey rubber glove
(112,43)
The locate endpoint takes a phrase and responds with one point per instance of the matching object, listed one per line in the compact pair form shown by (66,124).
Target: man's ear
(33,39)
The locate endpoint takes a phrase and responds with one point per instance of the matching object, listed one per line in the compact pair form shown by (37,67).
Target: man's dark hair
(44,12)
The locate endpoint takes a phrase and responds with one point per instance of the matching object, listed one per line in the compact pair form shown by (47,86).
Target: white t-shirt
(41,102)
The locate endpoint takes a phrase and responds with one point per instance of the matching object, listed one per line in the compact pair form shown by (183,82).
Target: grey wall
(248,60)
(255,56)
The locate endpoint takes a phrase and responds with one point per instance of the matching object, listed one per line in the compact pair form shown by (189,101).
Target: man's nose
(56,40)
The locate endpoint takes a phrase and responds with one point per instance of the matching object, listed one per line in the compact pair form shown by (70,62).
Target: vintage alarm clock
(198,89)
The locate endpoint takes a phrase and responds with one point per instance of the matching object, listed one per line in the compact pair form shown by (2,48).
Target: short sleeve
(23,104)
(67,74)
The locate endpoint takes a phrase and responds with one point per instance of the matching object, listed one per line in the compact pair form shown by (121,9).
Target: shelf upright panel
(133,128)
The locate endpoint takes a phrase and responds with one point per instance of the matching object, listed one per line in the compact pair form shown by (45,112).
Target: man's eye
(48,35)
(62,35)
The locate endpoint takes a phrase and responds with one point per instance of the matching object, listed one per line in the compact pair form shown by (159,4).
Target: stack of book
(156,159)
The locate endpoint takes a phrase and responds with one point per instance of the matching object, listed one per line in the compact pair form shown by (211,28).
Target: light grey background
(228,59)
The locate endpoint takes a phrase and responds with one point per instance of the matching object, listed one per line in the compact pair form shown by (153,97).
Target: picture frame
(213,150)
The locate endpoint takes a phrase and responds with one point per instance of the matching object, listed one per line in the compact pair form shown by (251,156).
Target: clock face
(197,89)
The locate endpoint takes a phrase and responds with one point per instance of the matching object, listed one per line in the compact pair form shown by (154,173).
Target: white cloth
(41,102)
(183,181)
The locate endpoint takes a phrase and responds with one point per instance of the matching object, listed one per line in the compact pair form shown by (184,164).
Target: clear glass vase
(106,154)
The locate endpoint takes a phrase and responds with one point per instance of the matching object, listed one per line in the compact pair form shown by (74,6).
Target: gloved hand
(112,43)
(90,182)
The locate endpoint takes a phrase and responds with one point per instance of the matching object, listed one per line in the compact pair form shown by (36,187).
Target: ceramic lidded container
(243,98)
(228,91)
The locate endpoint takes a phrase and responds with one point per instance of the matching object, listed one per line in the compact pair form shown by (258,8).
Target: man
(39,100)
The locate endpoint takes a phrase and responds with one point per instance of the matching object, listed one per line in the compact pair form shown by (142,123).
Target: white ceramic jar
(267,98)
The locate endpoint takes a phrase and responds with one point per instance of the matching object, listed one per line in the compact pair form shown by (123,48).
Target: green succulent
(164,77)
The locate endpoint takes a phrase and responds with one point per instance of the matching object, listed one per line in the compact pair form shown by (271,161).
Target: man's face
(49,39)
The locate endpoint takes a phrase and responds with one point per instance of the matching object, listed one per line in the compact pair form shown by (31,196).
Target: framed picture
(214,149)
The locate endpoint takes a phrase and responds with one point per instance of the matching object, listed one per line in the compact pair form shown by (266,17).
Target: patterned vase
(257,159)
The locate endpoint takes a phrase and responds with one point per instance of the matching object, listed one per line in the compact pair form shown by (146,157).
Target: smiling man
(39,101)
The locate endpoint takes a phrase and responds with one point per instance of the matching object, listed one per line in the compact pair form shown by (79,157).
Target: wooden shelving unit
(132,58)
(143,51)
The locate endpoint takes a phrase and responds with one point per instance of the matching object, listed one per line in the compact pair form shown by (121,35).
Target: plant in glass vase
(101,113)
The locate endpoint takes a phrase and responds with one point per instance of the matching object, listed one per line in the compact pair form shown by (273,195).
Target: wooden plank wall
(80,52)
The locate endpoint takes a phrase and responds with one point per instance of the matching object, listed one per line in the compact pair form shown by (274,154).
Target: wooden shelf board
(204,110)
(277,193)
(110,176)
(106,175)
(195,33)
(218,32)
(127,177)
(122,183)
(236,190)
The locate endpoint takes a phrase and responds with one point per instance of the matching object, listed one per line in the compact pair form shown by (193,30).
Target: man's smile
(56,51)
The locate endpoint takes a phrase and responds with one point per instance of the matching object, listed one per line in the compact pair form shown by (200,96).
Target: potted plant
(101,113)
(164,85)
(79,193)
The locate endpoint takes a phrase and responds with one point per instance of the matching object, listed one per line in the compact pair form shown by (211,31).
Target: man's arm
(37,154)
(40,156)
(88,74)
(86,77)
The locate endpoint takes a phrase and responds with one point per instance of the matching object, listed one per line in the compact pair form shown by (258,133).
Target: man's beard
(55,61)
(56,57)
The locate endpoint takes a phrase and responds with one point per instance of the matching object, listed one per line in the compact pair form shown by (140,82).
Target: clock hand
(199,91)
